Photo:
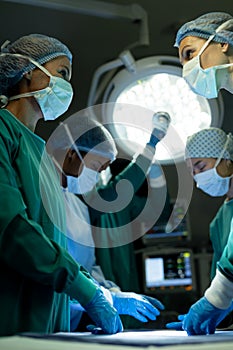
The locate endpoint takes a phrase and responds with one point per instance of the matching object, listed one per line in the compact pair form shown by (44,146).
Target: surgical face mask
(205,82)
(211,183)
(83,183)
(55,99)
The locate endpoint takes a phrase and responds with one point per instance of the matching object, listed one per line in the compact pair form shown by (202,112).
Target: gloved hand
(76,311)
(103,314)
(202,318)
(178,326)
(161,121)
(139,306)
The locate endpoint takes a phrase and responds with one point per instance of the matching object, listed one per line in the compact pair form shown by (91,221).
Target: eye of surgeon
(206,52)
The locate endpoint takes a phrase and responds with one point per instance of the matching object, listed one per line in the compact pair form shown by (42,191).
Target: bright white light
(189,112)
(161,88)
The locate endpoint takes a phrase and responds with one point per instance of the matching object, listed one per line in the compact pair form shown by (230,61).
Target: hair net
(41,48)
(99,141)
(206,25)
(83,132)
(209,143)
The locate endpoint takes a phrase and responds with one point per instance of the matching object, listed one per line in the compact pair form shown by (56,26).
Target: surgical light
(156,83)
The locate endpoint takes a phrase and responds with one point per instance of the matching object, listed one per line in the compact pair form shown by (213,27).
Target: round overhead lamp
(156,84)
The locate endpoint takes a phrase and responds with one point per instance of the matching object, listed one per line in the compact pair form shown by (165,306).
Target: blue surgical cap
(99,141)
(81,131)
(41,48)
(206,25)
(209,143)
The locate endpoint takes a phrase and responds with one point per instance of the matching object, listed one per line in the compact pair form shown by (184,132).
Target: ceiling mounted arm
(133,12)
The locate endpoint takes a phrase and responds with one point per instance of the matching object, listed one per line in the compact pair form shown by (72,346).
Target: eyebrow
(186,46)
(98,163)
(197,162)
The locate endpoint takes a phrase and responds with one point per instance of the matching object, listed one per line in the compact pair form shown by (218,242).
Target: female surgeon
(209,153)
(205,49)
(37,274)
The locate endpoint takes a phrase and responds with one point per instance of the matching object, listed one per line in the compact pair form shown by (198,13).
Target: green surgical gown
(116,228)
(37,274)
(220,229)
(225,264)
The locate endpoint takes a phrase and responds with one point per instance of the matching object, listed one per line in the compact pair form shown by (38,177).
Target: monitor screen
(168,270)
(158,235)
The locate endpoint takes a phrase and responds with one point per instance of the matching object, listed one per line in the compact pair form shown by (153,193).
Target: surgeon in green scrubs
(209,154)
(116,209)
(81,163)
(38,276)
(115,230)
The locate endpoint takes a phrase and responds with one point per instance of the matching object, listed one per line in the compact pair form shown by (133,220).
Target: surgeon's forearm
(31,253)
(220,292)
(148,152)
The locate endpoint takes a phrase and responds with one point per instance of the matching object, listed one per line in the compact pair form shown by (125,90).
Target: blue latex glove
(202,318)
(153,139)
(156,176)
(76,311)
(141,307)
(104,315)
(178,326)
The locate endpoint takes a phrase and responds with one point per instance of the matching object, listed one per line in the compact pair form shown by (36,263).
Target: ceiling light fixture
(156,83)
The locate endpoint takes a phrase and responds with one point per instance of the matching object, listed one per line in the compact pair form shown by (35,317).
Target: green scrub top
(220,228)
(118,263)
(36,272)
(225,264)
